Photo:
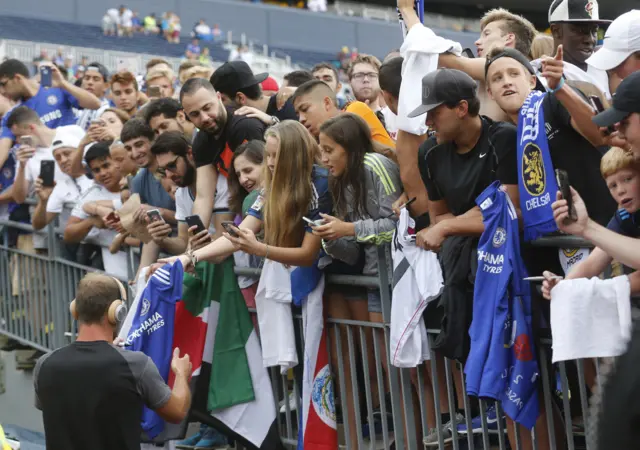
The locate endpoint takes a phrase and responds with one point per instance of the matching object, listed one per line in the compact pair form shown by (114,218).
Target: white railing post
(230,37)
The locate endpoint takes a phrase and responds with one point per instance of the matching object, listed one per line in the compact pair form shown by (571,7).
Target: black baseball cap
(444,86)
(100,68)
(585,11)
(626,101)
(234,76)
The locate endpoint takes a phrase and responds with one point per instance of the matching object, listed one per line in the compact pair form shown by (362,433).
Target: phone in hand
(45,76)
(25,140)
(229,227)
(154,216)
(467,52)
(313,223)
(195,221)
(47,170)
(565,191)
(599,107)
(98,122)
(153,91)
(112,217)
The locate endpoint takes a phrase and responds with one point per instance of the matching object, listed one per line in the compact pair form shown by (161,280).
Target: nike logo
(482,155)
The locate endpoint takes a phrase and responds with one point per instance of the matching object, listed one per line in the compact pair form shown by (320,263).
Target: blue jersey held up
(502,363)
(54,106)
(152,329)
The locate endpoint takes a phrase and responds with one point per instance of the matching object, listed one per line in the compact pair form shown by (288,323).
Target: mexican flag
(232,391)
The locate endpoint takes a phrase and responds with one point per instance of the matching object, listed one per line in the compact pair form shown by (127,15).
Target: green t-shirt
(248,201)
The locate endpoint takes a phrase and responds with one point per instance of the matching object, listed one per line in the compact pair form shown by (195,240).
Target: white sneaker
(292,403)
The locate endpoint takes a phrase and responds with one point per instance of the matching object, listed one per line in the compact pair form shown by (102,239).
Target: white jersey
(417,279)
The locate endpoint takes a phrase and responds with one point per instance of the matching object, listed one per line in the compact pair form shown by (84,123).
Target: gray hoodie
(383,186)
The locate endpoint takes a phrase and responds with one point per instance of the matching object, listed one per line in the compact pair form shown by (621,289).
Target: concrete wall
(264,24)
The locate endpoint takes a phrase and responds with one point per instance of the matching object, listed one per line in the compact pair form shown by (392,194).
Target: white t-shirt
(390,124)
(203,29)
(31,174)
(68,191)
(114,15)
(125,19)
(184,201)
(113,264)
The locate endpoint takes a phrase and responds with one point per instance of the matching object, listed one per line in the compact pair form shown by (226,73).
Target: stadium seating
(67,34)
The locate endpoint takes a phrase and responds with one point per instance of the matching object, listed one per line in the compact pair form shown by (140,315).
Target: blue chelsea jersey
(54,107)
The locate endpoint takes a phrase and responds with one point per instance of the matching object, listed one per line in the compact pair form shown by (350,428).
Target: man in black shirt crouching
(91,392)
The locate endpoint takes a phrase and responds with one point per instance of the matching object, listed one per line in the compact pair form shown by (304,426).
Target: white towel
(420,50)
(273,304)
(590,318)
(417,279)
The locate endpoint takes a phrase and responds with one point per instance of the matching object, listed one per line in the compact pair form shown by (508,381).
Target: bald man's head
(315,102)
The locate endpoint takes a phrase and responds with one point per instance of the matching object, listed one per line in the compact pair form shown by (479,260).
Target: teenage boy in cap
(220,133)
(239,87)
(96,81)
(625,113)
(574,25)
(620,51)
(467,153)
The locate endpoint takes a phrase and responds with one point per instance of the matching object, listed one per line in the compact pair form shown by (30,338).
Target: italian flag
(232,390)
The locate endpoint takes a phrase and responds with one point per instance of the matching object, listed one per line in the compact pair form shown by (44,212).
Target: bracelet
(192,257)
(266,256)
(559,86)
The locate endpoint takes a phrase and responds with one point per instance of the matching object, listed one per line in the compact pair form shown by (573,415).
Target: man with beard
(363,76)
(175,158)
(221,132)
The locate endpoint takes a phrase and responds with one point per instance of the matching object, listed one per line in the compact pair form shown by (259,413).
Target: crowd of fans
(123,21)
(231,145)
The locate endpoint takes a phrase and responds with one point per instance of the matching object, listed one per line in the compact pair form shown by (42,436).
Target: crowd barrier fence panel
(391,405)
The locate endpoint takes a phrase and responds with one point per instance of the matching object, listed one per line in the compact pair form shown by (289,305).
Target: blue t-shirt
(320,202)
(625,223)
(54,107)
(151,190)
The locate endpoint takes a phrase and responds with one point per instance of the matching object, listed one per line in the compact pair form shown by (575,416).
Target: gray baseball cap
(444,86)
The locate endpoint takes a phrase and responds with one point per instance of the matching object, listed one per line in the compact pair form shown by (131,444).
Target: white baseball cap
(67,136)
(621,40)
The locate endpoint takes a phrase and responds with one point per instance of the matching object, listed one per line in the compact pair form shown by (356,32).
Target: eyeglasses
(172,166)
(361,76)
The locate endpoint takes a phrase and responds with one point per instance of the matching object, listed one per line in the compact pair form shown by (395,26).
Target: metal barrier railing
(381,405)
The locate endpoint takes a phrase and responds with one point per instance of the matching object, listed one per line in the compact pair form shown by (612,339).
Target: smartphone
(599,107)
(195,221)
(98,122)
(565,190)
(316,223)
(154,216)
(541,278)
(45,76)
(47,169)
(229,227)
(153,91)
(26,140)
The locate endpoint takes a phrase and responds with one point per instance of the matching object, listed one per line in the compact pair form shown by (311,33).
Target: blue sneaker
(211,439)
(190,442)
(476,423)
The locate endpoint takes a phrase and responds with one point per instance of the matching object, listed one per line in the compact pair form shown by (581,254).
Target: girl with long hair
(245,183)
(294,186)
(363,186)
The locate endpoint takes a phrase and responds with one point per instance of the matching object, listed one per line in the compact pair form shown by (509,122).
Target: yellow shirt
(378,133)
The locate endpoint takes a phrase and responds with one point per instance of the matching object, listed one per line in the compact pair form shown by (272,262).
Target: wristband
(559,86)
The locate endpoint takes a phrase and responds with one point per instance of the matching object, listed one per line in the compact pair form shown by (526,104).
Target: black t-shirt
(287,112)
(460,178)
(92,395)
(208,149)
(573,153)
